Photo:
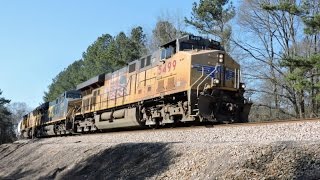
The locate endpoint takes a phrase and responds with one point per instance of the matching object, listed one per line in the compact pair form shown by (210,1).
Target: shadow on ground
(308,166)
(124,161)
(284,160)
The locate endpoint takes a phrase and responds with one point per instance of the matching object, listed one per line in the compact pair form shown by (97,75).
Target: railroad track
(190,126)
(277,121)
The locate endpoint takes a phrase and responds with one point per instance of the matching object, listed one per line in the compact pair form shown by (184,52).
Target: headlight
(216,81)
(243,86)
(220,57)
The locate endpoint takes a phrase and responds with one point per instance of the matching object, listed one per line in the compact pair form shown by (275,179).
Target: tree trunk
(301,105)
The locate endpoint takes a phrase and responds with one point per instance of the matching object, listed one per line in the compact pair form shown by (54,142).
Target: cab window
(148,63)
(167,52)
(142,63)
(132,67)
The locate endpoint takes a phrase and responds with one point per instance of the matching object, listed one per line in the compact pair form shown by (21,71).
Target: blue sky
(40,38)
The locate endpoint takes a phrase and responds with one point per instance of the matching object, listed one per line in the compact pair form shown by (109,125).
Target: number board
(195,38)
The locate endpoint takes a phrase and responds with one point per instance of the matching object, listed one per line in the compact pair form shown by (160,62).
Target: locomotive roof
(97,80)
(42,107)
(198,40)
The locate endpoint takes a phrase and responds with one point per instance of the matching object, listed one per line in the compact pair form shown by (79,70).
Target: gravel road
(262,151)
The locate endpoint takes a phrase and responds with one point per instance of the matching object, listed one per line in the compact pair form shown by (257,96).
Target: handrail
(235,78)
(239,76)
(199,77)
(215,69)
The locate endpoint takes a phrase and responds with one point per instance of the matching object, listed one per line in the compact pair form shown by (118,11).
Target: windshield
(167,52)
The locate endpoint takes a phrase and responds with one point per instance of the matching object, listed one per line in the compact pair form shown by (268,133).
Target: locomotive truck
(188,79)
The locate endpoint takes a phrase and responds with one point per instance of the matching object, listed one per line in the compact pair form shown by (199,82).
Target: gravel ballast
(261,151)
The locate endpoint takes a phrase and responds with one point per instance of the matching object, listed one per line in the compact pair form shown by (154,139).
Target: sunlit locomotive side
(188,79)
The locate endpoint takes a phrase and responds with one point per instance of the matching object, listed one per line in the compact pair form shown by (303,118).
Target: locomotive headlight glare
(243,86)
(216,81)
(220,56)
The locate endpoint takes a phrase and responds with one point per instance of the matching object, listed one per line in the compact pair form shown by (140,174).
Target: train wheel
(38,133)
(29,134)
(157,123)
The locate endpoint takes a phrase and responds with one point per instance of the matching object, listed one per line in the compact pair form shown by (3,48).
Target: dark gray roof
(195,40)
(43,106)
(97,80)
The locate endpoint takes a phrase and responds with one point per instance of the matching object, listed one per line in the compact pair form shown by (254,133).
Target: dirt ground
(113,156)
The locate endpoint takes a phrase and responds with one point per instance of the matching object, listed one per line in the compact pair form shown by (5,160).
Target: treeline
(105,55)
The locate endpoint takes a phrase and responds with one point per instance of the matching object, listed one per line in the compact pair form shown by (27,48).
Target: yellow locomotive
(188,79)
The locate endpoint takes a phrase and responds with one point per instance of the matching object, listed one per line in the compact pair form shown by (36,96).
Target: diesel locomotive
(187,79)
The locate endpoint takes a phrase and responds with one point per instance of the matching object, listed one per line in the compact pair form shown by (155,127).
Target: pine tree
(212,17)
(6,126)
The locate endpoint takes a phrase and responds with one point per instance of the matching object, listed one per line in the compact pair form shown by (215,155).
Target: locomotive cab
(187,43)
(215,90)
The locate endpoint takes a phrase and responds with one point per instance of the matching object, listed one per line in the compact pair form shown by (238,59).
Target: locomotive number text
(167,67)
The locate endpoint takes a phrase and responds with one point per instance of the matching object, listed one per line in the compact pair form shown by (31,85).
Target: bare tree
(169,26)
(311,46)
(270,37)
